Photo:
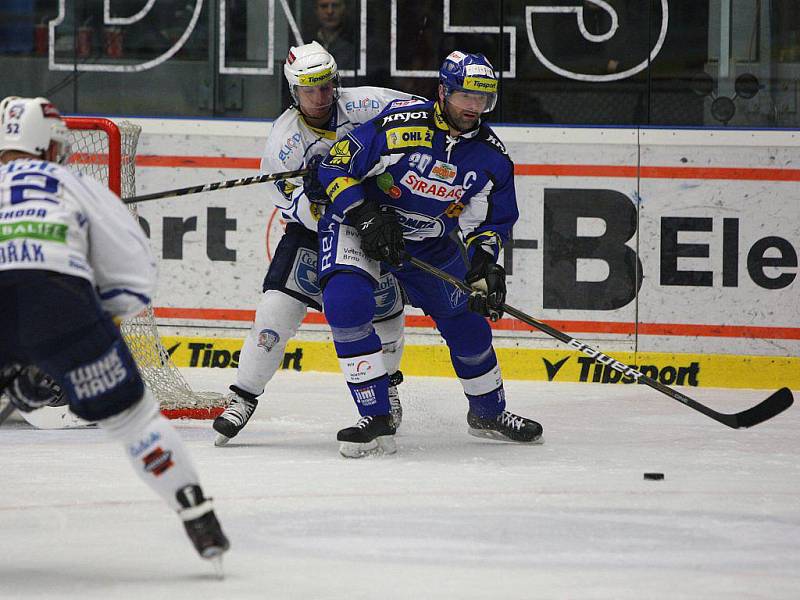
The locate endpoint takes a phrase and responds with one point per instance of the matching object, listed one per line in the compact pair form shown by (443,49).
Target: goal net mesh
(92,152)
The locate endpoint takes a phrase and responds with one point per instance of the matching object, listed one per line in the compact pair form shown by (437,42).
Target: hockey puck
(654,476)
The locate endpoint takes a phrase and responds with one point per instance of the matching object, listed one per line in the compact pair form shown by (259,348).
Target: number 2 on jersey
(34,186)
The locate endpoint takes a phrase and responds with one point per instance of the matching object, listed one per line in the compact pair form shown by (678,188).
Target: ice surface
(448,516)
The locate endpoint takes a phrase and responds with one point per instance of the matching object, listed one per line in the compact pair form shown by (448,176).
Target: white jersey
(54,219)
(292,142)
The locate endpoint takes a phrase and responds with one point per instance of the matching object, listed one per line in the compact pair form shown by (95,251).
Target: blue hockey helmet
(469,74)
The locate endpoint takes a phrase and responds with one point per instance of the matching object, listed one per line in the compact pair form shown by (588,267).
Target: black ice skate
(370,436)
(506,427)
(241,406)
(396,409)
(201,525)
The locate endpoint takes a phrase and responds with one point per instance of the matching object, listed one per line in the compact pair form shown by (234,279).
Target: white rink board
(557,168)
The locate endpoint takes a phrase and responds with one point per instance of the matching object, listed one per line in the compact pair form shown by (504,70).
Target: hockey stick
(218,185)
(8,409)
(764,410)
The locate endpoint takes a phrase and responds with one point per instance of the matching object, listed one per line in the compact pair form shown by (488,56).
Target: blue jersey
(406,159)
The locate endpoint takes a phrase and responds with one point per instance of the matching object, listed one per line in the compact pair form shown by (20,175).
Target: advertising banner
(642,240)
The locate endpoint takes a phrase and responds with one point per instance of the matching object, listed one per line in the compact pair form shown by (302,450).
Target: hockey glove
(33,388)
(312,186)
(488,280)
(381,234)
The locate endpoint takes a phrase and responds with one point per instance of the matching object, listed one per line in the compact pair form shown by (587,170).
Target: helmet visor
(467,100)
(317,97)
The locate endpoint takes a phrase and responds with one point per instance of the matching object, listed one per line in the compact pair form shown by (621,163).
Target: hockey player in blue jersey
(402,183)
(73,261)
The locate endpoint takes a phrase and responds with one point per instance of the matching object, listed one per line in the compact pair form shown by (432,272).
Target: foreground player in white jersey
(72,262)
(300,137)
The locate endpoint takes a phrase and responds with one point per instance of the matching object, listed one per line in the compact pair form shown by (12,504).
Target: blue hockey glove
(381,234)
(312,186)
(488,280)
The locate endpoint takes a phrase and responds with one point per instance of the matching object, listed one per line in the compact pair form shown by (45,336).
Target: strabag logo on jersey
(444,171)
(417,226)
(434,190)
(404,137)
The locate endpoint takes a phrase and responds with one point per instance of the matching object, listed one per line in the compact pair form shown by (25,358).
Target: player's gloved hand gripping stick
(763,411)
(488,282)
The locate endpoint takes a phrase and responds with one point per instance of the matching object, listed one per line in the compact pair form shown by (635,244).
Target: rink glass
(624,62)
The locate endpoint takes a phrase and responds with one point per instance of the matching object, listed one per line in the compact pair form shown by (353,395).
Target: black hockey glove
(32,388)
(381,234)
(488,279)
(312,186)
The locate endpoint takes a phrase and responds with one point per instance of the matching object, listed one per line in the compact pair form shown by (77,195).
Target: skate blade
(489,434)
(377,447)
(216,563)
(221,440)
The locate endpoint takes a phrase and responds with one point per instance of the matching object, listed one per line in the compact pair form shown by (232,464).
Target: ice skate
(396,409)
(506,427)
(372,435)
(202,526)
(241,406)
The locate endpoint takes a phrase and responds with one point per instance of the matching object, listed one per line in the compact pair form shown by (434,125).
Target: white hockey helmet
(310,65)
(34,126)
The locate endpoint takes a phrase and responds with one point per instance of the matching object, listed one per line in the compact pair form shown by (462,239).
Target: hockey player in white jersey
(300,137)
(73,262)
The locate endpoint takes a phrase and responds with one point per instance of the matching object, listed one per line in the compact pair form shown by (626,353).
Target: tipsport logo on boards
(604,369)
(223,355)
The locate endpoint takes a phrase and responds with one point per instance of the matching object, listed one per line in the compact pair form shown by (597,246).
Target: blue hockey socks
(349,308)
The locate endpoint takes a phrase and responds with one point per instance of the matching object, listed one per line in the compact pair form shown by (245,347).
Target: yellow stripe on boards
(557,365)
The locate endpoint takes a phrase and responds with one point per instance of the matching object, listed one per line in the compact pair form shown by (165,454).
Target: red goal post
(106,150)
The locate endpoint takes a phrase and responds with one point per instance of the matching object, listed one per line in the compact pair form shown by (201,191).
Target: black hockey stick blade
(765,410)
(217,185)
(774,405)
(6,412)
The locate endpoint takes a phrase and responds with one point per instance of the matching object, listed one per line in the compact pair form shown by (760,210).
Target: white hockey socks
(392,341)
(278,317)
(154,448)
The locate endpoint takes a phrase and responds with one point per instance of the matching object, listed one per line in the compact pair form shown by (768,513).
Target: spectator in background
(334,32)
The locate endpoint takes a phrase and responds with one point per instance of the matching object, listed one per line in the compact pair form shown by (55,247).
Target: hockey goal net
(106,150)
